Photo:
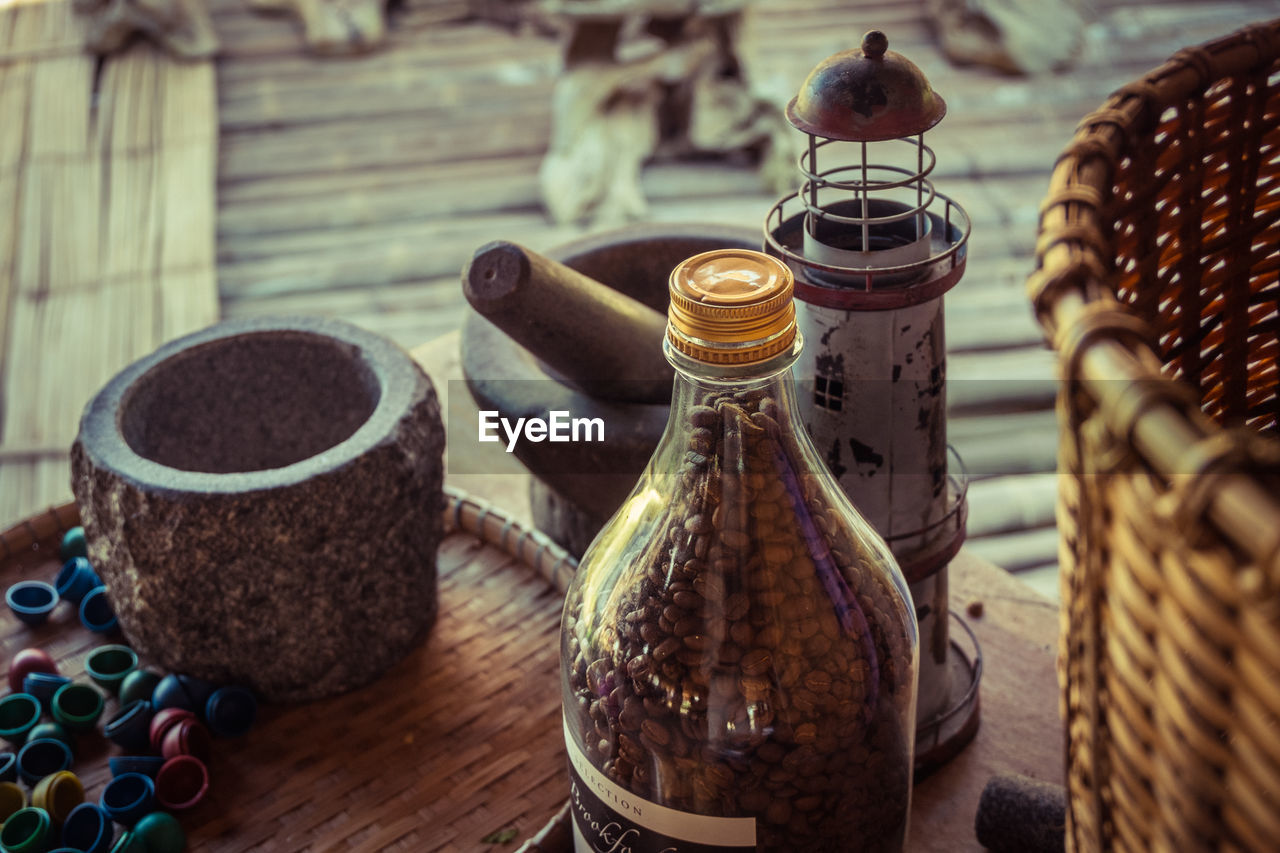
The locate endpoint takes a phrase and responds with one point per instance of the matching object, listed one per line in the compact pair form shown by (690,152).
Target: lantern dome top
(866,95)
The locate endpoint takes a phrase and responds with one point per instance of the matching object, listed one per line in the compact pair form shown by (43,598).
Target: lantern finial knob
(874,44)
(865,95)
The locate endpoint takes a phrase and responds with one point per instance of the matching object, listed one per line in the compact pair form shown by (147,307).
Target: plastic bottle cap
(55,730)
(26,662)
(170,693)
(108,665)
(12,798)
(19,713)
(186,737)
(26,831)
(163,720)
(731,306)
(75,579)
(73,544)
(88,828)
(231,711)
(147,765)
(162,833)
(43,685)
(31,601)
(77,706)
(128,797)
(182,782)
(58,793)
(139,684)
(130,726)
(96,613)
(38,758)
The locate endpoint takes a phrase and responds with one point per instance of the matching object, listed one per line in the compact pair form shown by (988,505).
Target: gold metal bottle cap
(731,306)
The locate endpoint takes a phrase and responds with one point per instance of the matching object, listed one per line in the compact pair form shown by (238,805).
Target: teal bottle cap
(108,665)
(19,713)
(77,706)
(26,831)
(138,684)
(161,833)
(73,544)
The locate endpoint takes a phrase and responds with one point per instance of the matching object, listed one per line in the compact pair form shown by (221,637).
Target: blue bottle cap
(130,726)
(147,765)
(75,579)
(96,613)
(169,693)
(128,797)
(89,829)
(31,601)
(38,758)
(231,711)
(43,685)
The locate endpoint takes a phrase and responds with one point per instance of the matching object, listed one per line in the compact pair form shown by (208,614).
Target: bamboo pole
(112,252)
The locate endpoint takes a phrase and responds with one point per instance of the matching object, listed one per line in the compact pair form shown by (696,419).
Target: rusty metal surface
(866,94)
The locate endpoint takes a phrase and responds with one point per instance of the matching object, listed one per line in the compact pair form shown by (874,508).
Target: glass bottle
(738,647)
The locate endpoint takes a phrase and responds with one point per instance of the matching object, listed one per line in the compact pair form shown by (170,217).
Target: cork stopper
(731,306)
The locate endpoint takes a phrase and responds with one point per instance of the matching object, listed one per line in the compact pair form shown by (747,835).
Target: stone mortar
(264,501)
(577,487)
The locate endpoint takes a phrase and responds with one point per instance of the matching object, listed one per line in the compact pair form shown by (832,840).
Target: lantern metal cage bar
(816,180)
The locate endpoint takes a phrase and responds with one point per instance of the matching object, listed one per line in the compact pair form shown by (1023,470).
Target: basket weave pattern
(1158,284)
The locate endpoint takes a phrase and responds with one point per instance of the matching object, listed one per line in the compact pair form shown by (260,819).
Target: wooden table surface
(1020,729)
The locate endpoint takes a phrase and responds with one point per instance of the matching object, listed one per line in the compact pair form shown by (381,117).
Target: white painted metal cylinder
(873,396)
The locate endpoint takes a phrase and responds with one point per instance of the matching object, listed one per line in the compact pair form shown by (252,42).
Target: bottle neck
(710,376)
(696,381)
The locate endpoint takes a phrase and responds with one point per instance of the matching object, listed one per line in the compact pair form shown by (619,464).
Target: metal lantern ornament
(874,247)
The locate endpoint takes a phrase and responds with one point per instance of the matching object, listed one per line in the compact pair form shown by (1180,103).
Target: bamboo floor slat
(107,180)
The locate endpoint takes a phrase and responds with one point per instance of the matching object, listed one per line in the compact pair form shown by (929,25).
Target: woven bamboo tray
(458,743)
(1159,287)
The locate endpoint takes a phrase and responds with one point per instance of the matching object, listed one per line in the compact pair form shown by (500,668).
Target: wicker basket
(1158,283)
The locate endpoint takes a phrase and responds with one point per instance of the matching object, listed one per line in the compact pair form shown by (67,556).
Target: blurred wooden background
(141,198)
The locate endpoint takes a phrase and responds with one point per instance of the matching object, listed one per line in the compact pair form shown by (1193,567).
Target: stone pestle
(594,337)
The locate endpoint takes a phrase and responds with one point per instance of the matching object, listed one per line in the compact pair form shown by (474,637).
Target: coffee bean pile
(755,659)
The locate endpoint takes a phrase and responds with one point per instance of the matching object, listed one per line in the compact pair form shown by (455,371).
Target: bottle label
(610,819)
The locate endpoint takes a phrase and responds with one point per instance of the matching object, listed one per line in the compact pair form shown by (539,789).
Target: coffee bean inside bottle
(754,659)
